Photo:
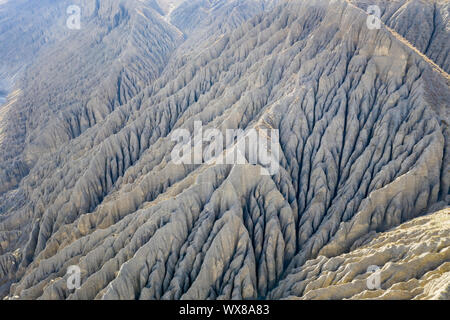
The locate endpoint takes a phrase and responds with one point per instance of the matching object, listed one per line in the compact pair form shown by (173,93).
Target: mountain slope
(362,117)
(89,72)
(424,23)
(415,260)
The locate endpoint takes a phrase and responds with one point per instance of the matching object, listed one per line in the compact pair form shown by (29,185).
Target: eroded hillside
(363,146)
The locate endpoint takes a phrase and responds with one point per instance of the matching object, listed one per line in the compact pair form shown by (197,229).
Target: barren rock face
(425,24)
(415,260)
(87,176)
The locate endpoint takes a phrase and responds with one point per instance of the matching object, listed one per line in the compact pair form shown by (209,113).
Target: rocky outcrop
(413,261)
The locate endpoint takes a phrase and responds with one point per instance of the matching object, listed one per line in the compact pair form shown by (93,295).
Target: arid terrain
(361,108)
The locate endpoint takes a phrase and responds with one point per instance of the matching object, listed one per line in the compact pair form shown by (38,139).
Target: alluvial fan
(87,170)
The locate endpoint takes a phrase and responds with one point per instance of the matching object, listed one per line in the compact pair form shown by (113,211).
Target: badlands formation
(86,176)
